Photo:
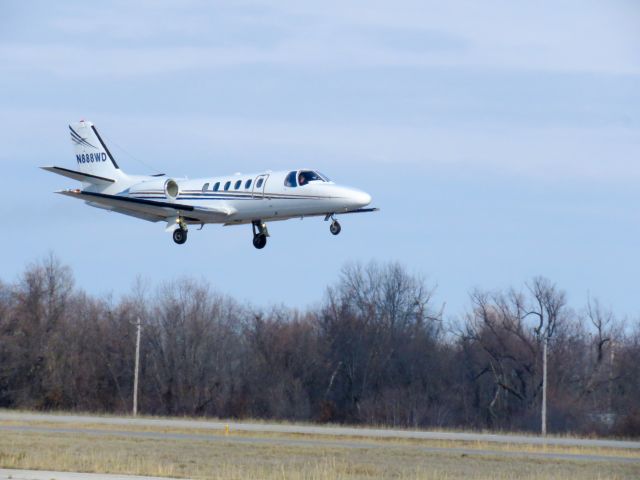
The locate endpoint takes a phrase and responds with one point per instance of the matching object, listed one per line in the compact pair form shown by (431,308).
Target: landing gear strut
(260,234)
(180,233)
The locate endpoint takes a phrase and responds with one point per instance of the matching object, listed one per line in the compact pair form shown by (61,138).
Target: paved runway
(69,424)
(6,474)
(318,430)
(316,443)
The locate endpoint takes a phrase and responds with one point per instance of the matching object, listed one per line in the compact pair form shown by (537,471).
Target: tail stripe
(78,139)
(105,147)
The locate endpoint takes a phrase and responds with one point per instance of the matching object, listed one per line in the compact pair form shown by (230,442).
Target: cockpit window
(323,176)
(306,176)
(290,180)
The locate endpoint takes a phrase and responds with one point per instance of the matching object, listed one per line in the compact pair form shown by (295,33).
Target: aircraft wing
(151,210)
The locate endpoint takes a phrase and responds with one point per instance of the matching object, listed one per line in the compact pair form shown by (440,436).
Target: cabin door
(259,184)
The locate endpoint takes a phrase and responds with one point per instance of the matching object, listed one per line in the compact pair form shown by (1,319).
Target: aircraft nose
(361,199)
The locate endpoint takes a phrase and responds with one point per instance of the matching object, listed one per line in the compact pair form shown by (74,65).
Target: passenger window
(205,187)
(290,181)
(237,185)
(259,183)
(216,186)
(226,186)
(247,184)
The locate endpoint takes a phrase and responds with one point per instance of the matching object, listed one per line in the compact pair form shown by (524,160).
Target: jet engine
(171,189)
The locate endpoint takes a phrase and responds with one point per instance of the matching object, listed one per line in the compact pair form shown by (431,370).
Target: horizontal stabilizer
(80,176)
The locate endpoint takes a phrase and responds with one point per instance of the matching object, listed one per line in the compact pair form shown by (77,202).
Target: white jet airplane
(230,200)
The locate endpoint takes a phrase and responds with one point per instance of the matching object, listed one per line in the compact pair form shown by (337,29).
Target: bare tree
(371,320)
(375,351)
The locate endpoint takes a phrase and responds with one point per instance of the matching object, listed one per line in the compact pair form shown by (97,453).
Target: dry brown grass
(204,434)
(259,421)
(230,460)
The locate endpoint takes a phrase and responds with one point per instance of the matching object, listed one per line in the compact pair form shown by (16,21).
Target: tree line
(376,350)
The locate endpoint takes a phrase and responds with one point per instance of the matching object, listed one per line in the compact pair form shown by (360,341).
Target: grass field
(211,454)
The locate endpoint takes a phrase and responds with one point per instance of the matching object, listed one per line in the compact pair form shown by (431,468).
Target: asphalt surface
(318,430)
(70,424)
(6,474)
(315,443)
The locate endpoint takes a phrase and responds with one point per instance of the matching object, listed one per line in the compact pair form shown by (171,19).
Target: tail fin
(92,155)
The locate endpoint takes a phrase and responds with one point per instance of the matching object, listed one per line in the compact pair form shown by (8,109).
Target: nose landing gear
(335,227)
(260,234)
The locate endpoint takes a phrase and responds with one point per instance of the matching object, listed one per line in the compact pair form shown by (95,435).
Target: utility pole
(545,341)
(612,355)
(137,367)
(548,304)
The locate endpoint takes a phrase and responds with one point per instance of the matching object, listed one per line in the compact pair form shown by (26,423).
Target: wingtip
(70,191)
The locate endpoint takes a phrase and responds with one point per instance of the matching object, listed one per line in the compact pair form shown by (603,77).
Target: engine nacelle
(162,188)
(171,189)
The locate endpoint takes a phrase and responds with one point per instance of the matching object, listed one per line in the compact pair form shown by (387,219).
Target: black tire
(259,241)
(179,236)
(335,228)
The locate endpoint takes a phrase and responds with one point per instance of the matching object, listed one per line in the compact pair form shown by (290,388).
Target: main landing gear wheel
(259,241)
(179,236)
(335,228)
(260,234)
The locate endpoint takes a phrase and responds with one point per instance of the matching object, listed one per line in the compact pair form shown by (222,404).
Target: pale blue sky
(500,139)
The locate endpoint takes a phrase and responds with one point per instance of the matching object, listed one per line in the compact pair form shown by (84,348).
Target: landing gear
(259,241)
(260,234)
(335,227)
(180,233)
(179,236)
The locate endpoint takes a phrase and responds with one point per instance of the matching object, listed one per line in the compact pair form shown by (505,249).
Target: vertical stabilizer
(92,155)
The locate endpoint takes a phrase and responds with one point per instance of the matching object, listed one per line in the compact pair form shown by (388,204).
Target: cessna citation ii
(232,200)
